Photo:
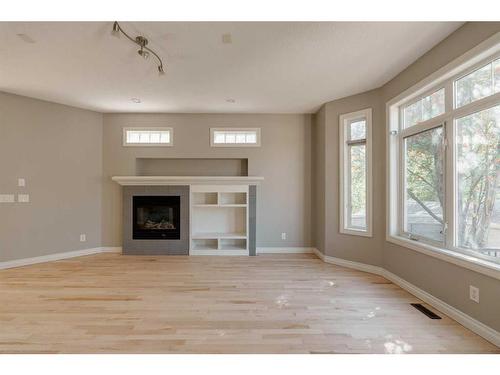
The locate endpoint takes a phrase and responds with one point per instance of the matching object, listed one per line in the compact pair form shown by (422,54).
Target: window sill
(356,232)
(475,264)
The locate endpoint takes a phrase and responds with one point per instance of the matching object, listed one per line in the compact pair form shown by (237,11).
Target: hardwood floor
(267,304)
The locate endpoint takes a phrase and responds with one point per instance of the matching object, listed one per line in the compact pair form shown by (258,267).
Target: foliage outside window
(424,202)
(478,181)
(449,164)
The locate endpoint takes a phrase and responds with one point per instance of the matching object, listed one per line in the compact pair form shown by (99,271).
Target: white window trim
(344,121)
(256,130)
(468,62)
(147,128)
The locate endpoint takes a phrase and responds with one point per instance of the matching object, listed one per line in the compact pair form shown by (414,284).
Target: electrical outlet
(283,236)
(474,293)
(23,198)
(21,182)
(83,237)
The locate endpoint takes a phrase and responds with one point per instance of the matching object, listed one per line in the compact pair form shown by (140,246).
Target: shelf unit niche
(219,220)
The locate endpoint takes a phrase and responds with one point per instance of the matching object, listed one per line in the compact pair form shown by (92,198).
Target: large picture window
(424,185)
(478,181)
(355,173)
(444,164)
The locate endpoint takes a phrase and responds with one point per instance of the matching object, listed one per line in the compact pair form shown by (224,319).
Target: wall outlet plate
(21,182)
(283,236)
(7,198)
(83,237)
(474,293)
(23,198)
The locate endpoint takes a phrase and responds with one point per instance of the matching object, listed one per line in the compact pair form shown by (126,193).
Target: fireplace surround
(217,214)
(156,220)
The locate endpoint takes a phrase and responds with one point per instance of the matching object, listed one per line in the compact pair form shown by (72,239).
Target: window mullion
(450,188)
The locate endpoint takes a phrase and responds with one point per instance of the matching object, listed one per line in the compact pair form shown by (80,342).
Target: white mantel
(186,180)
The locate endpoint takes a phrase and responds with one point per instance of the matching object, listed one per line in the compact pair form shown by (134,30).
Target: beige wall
(58,150)
(446,281)
(284,160)
(318,179)
(336,244)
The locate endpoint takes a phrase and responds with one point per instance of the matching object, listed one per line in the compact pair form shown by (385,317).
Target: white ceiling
(277,67)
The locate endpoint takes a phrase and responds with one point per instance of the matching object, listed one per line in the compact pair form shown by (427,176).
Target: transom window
(444,164)
(424,108)
(480,83)
(355,172)
(234,137)
(147,136)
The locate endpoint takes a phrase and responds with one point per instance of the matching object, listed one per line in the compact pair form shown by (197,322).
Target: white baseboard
(349,264)
(467,321)
(285,250)
(57,256)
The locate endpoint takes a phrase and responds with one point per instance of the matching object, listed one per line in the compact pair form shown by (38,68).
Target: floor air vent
(425,310)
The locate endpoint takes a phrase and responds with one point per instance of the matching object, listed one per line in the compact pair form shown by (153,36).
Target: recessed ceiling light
(26,38)
(136,100)
(226,38)
(230,100)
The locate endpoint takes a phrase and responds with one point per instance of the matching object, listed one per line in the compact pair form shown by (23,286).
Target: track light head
(142,41)
(143,54)
(116,29)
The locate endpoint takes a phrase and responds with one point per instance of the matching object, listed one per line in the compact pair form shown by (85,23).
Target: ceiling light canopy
(142,42)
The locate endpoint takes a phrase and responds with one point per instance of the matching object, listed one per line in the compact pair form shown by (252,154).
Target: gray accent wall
(252,219)
(58,150)
(284,160)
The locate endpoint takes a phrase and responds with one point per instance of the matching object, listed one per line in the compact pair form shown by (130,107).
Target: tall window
(355,172)
(445,164)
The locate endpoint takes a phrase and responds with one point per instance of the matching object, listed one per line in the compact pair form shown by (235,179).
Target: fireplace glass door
(156,217)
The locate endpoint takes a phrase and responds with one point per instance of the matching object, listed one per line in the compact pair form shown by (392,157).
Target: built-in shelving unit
(219,220)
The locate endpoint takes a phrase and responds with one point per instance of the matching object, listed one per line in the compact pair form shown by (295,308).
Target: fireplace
(156,217)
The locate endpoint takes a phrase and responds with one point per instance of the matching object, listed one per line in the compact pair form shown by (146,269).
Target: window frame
(344,171)
(402,193)
(256,130)
(147,128)
(446,77)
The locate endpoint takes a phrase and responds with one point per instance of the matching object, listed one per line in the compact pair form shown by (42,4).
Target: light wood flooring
(110,303)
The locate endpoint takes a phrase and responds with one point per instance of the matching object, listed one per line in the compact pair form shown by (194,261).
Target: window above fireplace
(148,136)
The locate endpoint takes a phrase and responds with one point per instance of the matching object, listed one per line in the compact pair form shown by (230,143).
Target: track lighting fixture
(142,42)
